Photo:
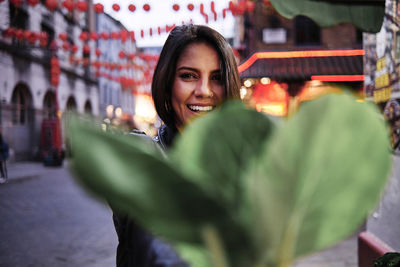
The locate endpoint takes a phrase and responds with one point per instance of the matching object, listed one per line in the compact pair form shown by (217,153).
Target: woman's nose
(204,89)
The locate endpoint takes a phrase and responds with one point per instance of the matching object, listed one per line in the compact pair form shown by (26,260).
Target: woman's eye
(216,77)
(187,75)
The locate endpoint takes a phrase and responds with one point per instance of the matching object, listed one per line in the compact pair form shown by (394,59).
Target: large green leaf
(366,15)
(214,152)
(319,176)
(132,175)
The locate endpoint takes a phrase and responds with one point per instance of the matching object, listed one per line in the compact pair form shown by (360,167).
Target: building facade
(30,40)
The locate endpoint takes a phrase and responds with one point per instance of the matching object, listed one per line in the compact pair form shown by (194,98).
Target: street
(48,220)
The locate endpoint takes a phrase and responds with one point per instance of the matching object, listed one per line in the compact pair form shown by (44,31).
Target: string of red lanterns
(238,8)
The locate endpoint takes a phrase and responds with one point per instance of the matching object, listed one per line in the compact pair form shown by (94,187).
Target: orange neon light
(292,54)
(338,78)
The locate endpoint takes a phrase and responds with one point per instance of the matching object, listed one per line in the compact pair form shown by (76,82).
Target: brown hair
(164,74)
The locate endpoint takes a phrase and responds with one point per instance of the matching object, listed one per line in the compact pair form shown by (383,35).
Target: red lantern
(9,33)
(250,5)
(82,6)
(121,54)
(115,35)
(132,35)
(146,7)
(52,4)
(94,36)
(16,2)
(132,7)
(54,72)
(151,32)
(131,56)
(43,39)
(124,35)
(68,4)
(190,7)
(141,33)
(32,37)
(175,7)
(63,36)
(99,8)
(84,36)
(104,35)
(116,7)
(33,2)
(98,52)
(86,49)
(53,45)
(19,34)
(159,30)
(65,46)
(74,49)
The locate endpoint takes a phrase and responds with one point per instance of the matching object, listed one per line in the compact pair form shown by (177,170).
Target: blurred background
(97,58)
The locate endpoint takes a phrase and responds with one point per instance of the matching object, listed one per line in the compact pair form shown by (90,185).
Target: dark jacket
(137,247)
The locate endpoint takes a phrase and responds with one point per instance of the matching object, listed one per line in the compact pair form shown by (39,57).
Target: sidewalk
(27,169)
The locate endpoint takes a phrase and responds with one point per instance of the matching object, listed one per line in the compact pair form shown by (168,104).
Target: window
(18,17)
(20,103)
(306,31)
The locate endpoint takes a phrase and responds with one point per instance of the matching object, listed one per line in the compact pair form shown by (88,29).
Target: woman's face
(198,86)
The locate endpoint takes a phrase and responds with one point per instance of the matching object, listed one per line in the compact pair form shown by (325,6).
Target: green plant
(242,189)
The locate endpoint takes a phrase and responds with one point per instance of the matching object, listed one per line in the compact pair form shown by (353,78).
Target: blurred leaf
(133,177)
(319,177)
(366,15)
(390,259)
(214,152)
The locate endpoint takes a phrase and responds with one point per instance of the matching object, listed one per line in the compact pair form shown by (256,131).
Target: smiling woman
(195,73)
(197,86)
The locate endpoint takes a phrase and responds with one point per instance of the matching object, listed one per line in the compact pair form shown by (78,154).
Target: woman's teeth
(200,108)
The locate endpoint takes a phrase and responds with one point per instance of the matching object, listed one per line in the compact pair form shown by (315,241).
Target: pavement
(27,170)
(343,254)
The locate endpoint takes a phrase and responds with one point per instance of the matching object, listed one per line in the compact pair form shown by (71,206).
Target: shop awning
(332,65)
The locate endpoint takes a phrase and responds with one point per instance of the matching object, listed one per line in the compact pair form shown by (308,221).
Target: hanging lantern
(124,35)
(86,49)
(54,71)
(52,4)
(132,35)
(104,35)
(16,2)
(131,56)
(250,5)
(159,30)
(98,8)
(84,36)
(63,36)
(19,34)
(98,52)
(65,46)
(53,45)
(82,6)
(146,7)
(151,32)
(132,7)
(68,4)
(190,7)
(116,7)
(94,36)
(141,33)
(175,7)
(121,54)
(74,49)
(33,2)
(43,39)
(115,35)
(9,33)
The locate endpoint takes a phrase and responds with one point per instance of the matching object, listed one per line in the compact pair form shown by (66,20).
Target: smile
(196,108)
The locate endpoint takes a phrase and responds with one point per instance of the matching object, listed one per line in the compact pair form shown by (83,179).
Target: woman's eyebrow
(187,68)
